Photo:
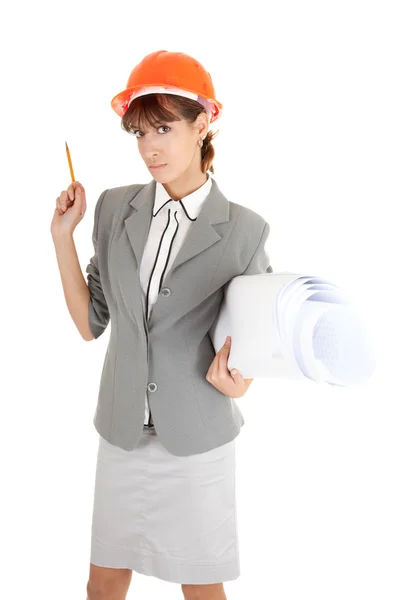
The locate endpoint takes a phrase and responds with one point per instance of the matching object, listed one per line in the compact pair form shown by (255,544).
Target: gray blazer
(169,355)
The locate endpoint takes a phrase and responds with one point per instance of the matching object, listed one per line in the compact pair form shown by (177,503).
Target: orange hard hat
(166,72)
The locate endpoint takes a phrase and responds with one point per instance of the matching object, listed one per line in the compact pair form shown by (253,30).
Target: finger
(223,354)
(213,368)
(64,201)
(71,192)
(83,200)
(225,347)
(72,188)
(80,201)
(59,206)
(79,191)
(66,205)
(222,368)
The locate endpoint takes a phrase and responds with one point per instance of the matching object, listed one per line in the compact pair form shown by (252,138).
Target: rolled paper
(294,326)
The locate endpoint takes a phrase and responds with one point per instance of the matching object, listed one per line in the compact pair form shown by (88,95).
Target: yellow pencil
(71,170)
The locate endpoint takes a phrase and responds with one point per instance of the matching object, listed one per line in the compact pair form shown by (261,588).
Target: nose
(152,155)
(150,145)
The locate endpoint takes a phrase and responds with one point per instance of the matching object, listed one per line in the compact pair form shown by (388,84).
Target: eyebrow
(158,123)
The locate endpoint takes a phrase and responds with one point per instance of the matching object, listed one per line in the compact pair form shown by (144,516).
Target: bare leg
(214,591)
(108,584)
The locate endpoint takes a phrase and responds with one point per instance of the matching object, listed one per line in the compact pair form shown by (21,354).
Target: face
(175,144)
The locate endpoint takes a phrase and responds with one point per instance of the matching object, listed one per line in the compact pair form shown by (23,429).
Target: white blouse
(169,226)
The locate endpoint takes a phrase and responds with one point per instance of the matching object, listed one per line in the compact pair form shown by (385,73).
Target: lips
(157,166)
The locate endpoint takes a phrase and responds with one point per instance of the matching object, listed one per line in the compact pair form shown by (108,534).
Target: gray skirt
(171,517)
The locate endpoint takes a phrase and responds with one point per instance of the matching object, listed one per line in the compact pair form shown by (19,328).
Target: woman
(164,500)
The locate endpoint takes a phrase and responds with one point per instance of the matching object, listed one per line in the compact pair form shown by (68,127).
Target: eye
(138,130)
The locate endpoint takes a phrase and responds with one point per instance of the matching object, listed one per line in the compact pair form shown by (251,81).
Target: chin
(162,177)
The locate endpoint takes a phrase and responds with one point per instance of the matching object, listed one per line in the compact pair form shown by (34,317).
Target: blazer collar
(201,235)
(190,204)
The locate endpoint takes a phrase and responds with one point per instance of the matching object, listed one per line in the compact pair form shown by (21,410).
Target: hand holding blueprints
(293,326)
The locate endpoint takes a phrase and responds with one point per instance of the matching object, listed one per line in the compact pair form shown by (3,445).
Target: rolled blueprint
(294,326)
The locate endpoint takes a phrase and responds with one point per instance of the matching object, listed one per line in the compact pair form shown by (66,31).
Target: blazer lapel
(200,237)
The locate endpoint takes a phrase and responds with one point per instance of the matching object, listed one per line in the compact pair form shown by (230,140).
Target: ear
(202,124)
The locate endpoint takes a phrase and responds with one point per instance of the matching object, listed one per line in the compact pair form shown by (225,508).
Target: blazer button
(165,291)
(152,387)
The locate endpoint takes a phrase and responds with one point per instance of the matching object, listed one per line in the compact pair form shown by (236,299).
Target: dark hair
(153,109)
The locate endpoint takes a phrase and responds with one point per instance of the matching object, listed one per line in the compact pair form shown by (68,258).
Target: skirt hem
(162,566)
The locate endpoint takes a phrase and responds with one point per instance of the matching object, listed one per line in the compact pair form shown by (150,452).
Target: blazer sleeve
(99,315)
(260,261)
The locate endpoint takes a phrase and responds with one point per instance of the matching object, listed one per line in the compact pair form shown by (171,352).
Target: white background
(309,138)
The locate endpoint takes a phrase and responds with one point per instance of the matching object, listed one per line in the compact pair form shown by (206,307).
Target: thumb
(79,199)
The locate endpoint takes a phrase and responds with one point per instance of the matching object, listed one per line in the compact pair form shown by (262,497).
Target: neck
(184,185)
